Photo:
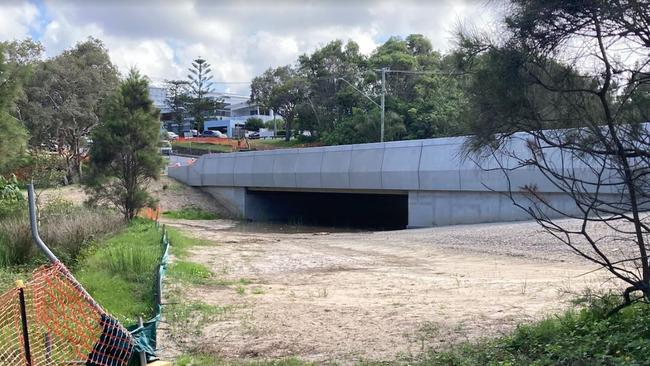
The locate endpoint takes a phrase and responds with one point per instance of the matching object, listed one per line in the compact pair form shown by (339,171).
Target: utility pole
(383,100)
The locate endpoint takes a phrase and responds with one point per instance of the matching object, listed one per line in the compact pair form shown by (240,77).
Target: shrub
(11,199)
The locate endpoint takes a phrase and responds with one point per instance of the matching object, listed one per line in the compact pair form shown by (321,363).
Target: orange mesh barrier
(210,140)
(64,325)
(150,213)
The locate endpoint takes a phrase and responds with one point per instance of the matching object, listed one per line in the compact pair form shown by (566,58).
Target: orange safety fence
(151,213)
(52,321)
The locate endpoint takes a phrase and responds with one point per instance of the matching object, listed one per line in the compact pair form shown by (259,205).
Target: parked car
(172,135)
(165,148)
(211,133)
(195,133)
(254,135)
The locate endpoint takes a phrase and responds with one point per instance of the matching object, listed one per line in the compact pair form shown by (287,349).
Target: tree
(125,155)
(254,124)
(199,81)
(568,87)
(13,137)
(282,90)
(63,101)
(177,100)
(327,102)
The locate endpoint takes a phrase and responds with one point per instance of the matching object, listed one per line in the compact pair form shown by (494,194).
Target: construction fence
(51,320)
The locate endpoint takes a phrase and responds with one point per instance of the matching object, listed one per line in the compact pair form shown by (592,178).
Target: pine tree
(125,155)
(199,80)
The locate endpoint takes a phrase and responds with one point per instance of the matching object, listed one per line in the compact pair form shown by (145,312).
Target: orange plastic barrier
(51,321)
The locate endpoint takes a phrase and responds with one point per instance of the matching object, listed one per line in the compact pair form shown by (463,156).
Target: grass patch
(120,272)
(191,213)
(581,336)
(181,244)
(189,272)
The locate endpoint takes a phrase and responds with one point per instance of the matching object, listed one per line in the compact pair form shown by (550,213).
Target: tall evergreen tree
(199,81)
(125,153)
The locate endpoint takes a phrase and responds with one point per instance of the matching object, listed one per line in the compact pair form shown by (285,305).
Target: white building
(235,111)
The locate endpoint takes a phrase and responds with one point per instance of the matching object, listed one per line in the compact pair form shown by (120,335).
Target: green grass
(584,336)
(120,272)
(191,213)
(190,273)
(202,146)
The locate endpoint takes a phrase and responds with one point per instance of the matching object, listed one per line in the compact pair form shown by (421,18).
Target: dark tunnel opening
(349,210)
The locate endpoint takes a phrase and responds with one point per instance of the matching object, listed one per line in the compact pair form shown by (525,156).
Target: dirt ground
(343,297)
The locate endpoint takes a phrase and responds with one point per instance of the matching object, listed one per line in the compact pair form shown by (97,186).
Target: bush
(12,200)
(65,228)
(254,124)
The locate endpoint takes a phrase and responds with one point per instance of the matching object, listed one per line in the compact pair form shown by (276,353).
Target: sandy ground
(343,297)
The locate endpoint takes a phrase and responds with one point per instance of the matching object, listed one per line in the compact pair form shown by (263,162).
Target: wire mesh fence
(52,321)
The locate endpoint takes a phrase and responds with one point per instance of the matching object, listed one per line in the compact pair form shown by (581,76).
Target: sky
(240,39)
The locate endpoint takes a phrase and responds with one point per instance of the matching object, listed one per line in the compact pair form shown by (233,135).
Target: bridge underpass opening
(350,210)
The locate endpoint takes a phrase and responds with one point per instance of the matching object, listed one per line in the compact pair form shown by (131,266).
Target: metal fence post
(23,318)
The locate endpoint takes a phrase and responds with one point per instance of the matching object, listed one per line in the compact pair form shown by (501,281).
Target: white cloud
(240,39)
(16,20)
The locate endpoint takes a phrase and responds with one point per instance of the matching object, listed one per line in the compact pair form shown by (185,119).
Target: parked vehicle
(165,148)
(254,135)
(211,133)
(172,135)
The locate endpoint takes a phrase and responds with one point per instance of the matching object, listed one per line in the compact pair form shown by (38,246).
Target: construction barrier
(50,320)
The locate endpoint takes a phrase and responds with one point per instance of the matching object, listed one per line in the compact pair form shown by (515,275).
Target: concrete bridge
(418,183)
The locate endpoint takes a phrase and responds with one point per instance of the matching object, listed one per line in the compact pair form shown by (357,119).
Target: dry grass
(67,230)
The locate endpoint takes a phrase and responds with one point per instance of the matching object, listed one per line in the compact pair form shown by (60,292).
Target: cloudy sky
(240,38)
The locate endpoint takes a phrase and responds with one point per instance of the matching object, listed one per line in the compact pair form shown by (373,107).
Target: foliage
(44,169)
(282,90)
(254,124)
(124,153)
(329,90)
(191,213)
(11,198)
(120,272)
(64,99)
(13,138)
(67,230)
(565,94)
(177,99)
(201,105)
(364,127)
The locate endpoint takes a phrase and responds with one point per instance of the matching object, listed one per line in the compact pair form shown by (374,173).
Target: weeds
(189,272)
(120,272)
(191,213)
(65,228)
